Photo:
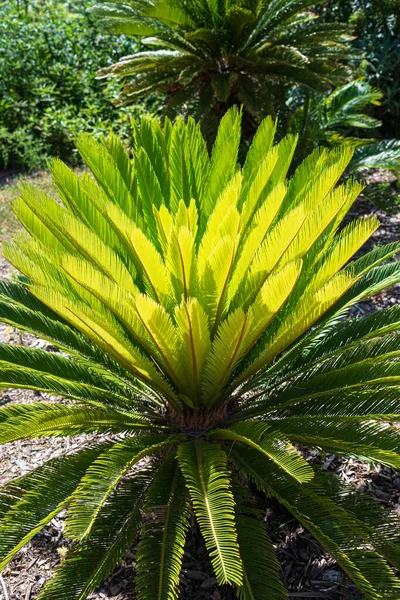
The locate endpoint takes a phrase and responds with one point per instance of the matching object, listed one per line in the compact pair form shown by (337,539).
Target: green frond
(228,348)
(270,443)
(90,561)
(160,551)
(370,440)
(103,476)
(194,337)
(338,531)
(204,467)
(15,310)
(223,159)
(39,420)
(181,262)
(384,154)
(260,566)
(378,522)
(201,309)
(37,498)
(261,144)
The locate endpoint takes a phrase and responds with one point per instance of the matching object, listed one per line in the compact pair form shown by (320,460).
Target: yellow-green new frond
(97,214)
(164,223)
(317,176)
(253,198)
(260,146)
(285,148)
(226,201)
(259,229)
(39,214)
(73,237)
(148,261)
(107,292)
(107,174)
(273,294)
(102,256)
(105,331)
(268,255)
(151,264)
(223,162)
(228,348)
(316,222)
(343,248)
(30,258)
(181,263)
(162,332)
(308,311)
(187,216)
(214,280)
(179,170)
(194,342)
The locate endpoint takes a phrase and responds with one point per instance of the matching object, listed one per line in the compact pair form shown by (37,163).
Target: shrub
(341,119)
(48,90)
(377,27)
(204,308)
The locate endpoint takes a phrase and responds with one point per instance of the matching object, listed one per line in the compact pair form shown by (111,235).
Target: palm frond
(103,476)
(32,506)
(204,467)
(347,542)
(160,552)
(88,563)
(42,420)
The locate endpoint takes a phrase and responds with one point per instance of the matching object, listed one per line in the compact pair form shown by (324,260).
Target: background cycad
(206,56)
(203,308)
(337,119)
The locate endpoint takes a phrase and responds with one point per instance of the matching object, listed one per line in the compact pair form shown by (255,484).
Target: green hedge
(49,54)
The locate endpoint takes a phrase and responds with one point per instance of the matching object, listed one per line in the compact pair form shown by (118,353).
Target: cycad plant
(206,55)
(337,119)
(201,310)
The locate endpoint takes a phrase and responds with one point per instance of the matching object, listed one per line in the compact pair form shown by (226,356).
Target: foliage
(204,309)
(205,56)
(377,27)
(385,196)
(339,119)
(48,91)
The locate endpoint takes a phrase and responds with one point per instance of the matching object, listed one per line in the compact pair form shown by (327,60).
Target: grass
(10,191)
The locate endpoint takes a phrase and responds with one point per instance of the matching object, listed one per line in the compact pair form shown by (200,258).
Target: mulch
(307,571)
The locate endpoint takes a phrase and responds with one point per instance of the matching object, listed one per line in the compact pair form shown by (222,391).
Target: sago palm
(201,310)
(207,55)
(336,119)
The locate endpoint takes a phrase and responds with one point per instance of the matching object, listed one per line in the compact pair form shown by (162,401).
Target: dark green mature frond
(167,520)
(103,475)
(337,119)
(116,526)
(337,530)
(269,443)
(32,506)
(42,420)
(384,154)
(40,361)
(204,467)
(261,569)
(374,441)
